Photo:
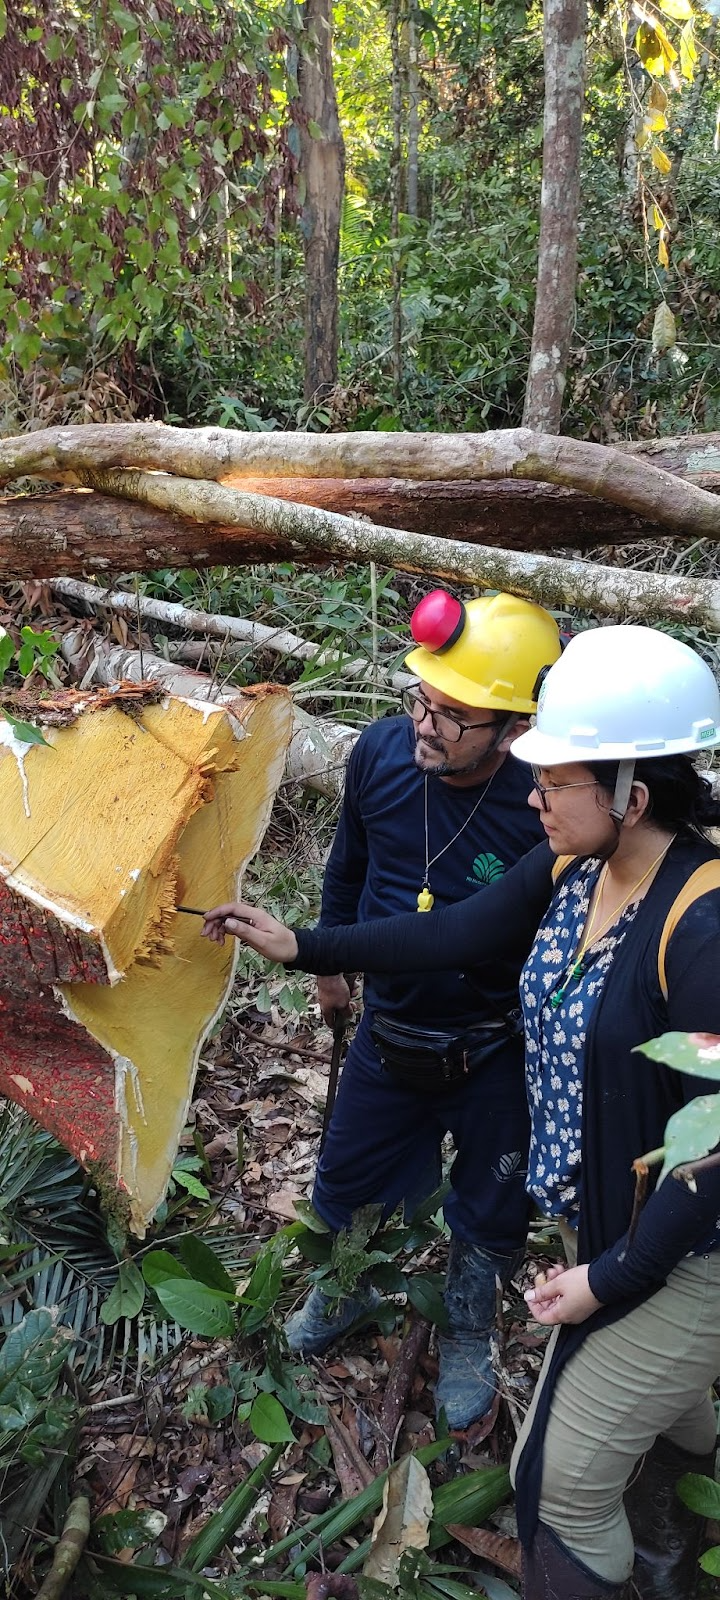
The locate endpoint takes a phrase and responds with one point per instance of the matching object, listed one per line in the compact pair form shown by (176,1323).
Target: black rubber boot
(466,1384)
(550,1572)
(668,1536)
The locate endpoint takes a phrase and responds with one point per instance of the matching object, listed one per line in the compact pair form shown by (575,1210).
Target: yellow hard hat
(490,652)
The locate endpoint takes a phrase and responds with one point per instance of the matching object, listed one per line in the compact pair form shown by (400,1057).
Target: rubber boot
(321,1320)
(467,1384)
(551,1572)
(668,1536)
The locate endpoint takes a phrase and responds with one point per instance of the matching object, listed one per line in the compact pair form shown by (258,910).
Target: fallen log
(550,581)
(511,487)
(222,628)
(317,752)
(75,531)
(135,803)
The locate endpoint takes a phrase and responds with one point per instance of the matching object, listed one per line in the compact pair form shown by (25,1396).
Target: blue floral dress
(557,1008)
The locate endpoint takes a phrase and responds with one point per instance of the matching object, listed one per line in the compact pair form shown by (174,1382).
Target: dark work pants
(383,1146)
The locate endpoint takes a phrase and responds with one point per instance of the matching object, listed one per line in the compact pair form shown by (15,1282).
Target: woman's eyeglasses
(445,725)
(544,789)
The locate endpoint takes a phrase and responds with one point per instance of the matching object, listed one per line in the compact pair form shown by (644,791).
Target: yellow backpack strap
(561,865)
(700,882)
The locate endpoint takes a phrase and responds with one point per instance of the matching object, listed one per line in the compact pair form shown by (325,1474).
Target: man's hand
(335,996)
(254,927)
(565,1296)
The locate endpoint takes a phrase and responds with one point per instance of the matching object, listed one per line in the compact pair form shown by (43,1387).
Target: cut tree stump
(138,803)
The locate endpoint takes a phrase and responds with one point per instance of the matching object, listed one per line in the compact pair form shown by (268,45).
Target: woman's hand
(254,927)
(565,1296)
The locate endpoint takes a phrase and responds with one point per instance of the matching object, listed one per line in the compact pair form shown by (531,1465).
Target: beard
(445,768)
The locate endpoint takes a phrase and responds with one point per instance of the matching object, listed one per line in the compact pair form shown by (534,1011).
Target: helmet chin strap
(623,786)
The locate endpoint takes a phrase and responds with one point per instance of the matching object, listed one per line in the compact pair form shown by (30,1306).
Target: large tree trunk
(396,173)
(228,456)
(549,581)
(413,122)
(322,164)
(565,28)
(140,804)
(74,532)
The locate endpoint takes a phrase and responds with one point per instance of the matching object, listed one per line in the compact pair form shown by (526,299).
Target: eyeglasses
(543,789)
(444,723)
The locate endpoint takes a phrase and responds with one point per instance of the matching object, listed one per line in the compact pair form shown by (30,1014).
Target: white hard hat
(623,694)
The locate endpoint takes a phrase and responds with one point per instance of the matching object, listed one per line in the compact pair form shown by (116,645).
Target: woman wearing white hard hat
(620,919)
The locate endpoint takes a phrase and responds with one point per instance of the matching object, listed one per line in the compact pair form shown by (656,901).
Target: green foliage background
(150,228)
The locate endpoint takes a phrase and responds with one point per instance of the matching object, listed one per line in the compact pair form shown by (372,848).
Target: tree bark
(75,532)
(227,455)
(322,164)
(605,591)
(396,101)
(221,628)
(565,28)
(413,124)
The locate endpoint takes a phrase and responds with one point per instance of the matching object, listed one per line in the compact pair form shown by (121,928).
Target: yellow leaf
(663,257)
(664,334)
(642,137)
(688,52)
(679,10)
(655,122)
(648,48)
(657,98)
(659,159)
(658,219)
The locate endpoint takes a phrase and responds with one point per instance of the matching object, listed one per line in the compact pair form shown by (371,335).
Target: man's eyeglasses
(544,789)
(444,723)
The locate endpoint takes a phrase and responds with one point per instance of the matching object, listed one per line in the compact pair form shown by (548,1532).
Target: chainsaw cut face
(106,993)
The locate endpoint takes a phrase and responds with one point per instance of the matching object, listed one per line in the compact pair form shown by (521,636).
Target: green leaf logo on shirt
(486,868)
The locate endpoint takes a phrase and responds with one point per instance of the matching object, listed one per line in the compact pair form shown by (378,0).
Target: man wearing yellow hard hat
(432,810)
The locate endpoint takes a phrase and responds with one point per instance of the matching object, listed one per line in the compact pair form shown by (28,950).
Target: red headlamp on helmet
(438,621)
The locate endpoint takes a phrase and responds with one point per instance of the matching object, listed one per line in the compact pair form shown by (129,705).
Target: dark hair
(681,798)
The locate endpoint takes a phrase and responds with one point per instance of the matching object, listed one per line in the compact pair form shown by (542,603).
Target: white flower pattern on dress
(555,1038)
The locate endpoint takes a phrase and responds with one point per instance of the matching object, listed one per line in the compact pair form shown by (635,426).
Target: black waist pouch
(424,1059)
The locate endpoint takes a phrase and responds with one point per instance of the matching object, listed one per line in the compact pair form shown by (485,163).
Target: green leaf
(701,1494)
(710,1561)
(128,1530)
(203,1264)
(314,129)
(26,732)
(265,1284)
(195,1307)
(7,651)
(159,1265)
(695,1053)
(309,1215)
(187,1180)
(427,1299)
(127,1296)
(220,1401)
(692,1133)
(269,1422)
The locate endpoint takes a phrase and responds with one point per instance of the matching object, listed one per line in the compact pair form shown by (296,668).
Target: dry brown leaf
(403,1523)
(495,1547)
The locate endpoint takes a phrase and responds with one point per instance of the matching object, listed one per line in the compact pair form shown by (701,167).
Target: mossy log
(108,992)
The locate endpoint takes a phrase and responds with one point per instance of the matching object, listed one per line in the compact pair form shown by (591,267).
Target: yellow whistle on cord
(426,900)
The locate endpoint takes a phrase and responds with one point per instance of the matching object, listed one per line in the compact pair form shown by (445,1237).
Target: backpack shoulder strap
(561,865)
(700,882)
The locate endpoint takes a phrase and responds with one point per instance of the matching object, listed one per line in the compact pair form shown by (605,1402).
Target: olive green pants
(648,1374)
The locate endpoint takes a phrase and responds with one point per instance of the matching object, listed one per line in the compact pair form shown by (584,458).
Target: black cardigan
(627,1099)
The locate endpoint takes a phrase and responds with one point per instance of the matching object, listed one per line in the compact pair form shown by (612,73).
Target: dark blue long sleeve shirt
(377,867)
